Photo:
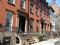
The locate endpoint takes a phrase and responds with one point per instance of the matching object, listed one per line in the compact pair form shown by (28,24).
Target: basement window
(8,21)
(37,26)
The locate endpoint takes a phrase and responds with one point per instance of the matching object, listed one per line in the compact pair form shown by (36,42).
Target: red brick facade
(16,9)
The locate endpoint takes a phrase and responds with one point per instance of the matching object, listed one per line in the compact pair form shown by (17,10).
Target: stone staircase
(31,39)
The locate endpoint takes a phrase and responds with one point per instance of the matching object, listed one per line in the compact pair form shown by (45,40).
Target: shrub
(41,35)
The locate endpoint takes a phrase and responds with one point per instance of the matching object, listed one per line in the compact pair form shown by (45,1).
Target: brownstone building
(24,16)
(39,16)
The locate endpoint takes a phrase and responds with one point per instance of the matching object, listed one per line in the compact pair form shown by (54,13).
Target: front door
(22,23)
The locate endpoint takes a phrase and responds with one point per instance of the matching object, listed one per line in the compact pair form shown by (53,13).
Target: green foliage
(41,35)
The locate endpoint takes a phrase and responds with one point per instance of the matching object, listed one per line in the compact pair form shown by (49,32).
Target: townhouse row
(28,16)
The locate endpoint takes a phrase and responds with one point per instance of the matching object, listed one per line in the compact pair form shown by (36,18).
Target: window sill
(22,8)
(37,15)
(31,12)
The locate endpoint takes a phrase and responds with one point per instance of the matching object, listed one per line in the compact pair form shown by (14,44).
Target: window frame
(9,16)
(11,2)
(31,8)
(40,12)
(31,25)
(36,11)
(22,4)
(37,26)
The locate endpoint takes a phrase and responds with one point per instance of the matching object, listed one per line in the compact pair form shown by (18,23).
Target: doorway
(22,23)
(42,25)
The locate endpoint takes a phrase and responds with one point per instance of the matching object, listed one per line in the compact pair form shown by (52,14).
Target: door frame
(26,22)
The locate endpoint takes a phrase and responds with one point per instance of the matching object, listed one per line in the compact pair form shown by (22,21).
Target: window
(8,20)
(17,40)
(41,6)
(40,13)
(37,26)
(31,8)
(37,2)
(45,16)
(31,25)
(36,11)
(22,4)
(11,1)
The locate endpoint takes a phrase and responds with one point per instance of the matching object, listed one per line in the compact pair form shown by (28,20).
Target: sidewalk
(54,41)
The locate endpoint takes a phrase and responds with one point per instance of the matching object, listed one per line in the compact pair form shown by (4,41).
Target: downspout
(28,16)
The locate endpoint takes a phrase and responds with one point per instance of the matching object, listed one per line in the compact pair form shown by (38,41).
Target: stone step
(31,40)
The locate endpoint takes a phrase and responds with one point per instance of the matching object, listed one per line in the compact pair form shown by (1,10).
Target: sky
(57,2)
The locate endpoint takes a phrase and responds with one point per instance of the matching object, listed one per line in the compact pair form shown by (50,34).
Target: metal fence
(8,29)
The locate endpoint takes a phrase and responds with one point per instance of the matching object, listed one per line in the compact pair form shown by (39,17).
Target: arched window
(17,40)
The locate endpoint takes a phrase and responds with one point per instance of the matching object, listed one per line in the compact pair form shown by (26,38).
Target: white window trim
(24,5)
(13,1)
(11,22)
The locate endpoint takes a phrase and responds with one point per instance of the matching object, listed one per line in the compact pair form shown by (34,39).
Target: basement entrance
(22,23)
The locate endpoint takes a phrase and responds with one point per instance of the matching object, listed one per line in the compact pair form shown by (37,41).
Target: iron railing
(8,29)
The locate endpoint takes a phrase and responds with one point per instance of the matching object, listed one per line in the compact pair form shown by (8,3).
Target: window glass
(17,40)
(8,20)
(40,13)
(22,4)
(31,8)
(36,11)
(31,25)
(11,1)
